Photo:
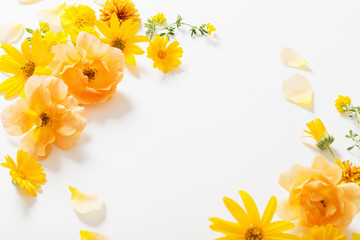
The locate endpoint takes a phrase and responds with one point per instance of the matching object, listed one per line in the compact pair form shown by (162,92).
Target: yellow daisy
(30,61)
(76,19)
(124,10)
(123,37)
(356,236)
(27,173)
(350,173)
(53,39)
(342,103)
(159,18)
(166,58)
(210,28)
(318,132)
(249,225)
(328,232)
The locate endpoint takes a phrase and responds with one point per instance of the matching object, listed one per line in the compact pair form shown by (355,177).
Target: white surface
(167,148)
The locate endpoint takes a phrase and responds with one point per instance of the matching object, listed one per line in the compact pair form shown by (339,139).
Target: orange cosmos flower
(47,115)
(91,69)
(316,199)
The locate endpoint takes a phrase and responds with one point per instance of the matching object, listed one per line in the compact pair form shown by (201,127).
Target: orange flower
(47,115)
(316,199)
(91,69)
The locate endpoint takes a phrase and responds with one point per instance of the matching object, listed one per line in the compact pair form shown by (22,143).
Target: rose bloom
(91,69)
(315,196)
(47,115)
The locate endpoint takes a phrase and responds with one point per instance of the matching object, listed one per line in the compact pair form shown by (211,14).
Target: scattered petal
(84,202)
(28,1)
(101,3)
(11,32)
(292,59)
(87,235)
(52,17)
(297,89)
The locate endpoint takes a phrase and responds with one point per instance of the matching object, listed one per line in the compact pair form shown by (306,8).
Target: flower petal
(38,141)
(100,2)
(87,235)
(52,17)
(84,202)
(292,59)
(11,32)
(297,89)
(28,1)
(269,211)
(251,208)
(237,212)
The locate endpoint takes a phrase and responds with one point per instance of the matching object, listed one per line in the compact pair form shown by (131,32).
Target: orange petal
(11,33)
(38,141)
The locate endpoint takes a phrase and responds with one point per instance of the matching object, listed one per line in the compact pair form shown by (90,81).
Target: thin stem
(332,154)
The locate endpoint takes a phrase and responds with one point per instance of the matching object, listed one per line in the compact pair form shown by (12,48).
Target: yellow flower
(350,173)
(356,236)
(166,58)
(123,37)
(27,173)
(44,27)
(53,39)
(76,19)
(328,232)
(210,28)
(32,61)
(159,18)
(342,103)
(124,10)
(319,133)
(249,226)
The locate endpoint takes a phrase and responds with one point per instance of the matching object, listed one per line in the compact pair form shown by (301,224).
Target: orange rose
(315,198)
(47,115)
(91,69)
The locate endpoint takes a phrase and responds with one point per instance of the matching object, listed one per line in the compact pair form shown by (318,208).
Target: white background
(168,147)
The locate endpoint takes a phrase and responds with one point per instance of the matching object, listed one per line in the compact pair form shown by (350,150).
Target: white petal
(85,202)
(28,1)
(297,89)
(11,32)
(52,17)
(100,2)
(87,235)
(292,59)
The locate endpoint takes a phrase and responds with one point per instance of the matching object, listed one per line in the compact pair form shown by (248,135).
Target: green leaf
(349,148)
(29,30)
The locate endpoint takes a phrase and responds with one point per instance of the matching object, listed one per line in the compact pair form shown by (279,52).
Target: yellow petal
(269,211)
(85,202)
(101,3)
(251,208)
(52,17)
(87,235)
(237,212)
(292,59)
(28,1)
(11,32)
(356,236)
(297,89)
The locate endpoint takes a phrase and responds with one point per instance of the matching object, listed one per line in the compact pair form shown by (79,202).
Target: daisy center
(254,234)
(83,20)
(119,44)
(45,119)
(90,73)
(161,54)
(28,69)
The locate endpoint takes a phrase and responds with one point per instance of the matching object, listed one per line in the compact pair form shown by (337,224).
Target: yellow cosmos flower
(76,19)
(249,226)
(27,173)
(319,133)
(350,173)
(342,103)
(124,10)
(123,37)
(210,28)
(166,58)
(356,236)
(53,39)
(159,18)
(328,232)
(30,61)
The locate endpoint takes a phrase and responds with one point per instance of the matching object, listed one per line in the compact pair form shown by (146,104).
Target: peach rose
(91,69)
(315,198)
(47,115)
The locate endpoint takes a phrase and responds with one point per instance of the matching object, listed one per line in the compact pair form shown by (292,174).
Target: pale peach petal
(57,88)
(100,2)
(38,98)
(85,202)
(297,89)
(37,142)
(52,17)
(11,33)
(87,235)
(90,47)
(28,1)
(332,170)
(292,59)
(17,118)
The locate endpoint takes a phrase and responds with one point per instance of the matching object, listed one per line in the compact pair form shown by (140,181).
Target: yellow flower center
(29,68)
(161,54)
(45,119)
(84,20)
(254,234)
(90,73)
(119,44)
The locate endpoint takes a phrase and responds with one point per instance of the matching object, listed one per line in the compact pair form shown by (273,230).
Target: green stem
(332,154)
(171,24)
